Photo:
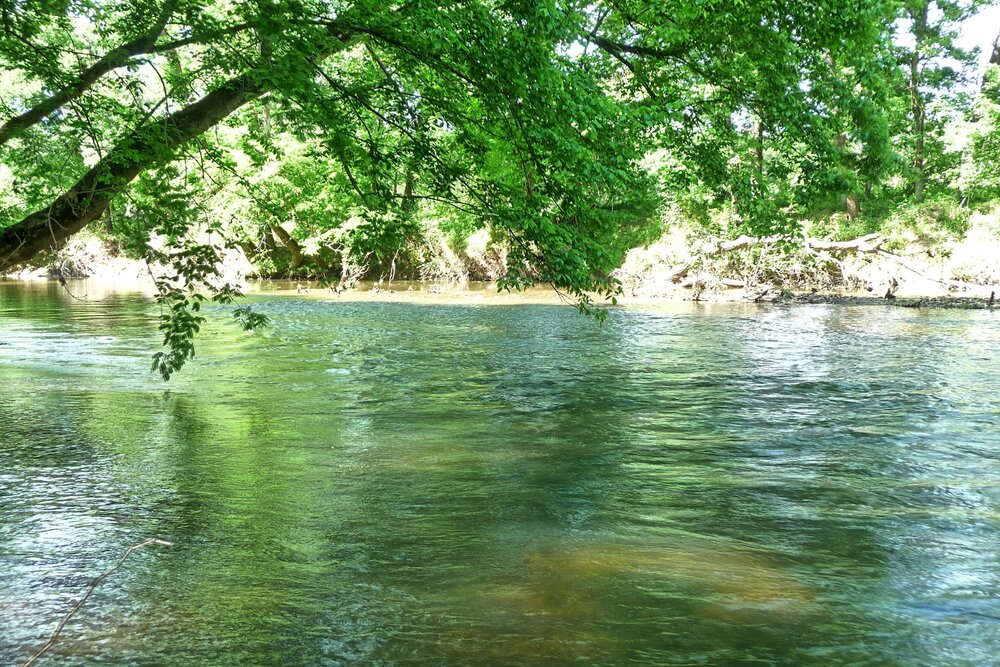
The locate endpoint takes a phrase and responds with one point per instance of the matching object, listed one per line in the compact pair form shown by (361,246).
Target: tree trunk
(994,61)
(851,200)
(409,202)
(298,257)
(759,149)
(917,102)
(852,205)
(149,145)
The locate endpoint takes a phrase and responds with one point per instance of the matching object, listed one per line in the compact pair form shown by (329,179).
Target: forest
(524,142)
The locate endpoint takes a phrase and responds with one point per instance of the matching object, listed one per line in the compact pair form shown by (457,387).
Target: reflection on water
(399,484)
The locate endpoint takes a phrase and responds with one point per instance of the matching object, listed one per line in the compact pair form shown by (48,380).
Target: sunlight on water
(400,484)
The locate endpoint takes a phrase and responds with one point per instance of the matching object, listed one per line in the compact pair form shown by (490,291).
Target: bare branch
(90,589)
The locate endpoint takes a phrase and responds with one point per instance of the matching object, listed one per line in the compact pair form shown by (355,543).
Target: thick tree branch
(616,48)
(293,246)
(88,77)
(618,55)
(151,144)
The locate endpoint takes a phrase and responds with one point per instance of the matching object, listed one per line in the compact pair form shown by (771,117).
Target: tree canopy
(325,124)
(531,115)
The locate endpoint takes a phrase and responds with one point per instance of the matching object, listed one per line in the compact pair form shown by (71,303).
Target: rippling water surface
(387,484)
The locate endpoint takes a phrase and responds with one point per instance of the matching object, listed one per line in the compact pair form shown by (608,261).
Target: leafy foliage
(318,136)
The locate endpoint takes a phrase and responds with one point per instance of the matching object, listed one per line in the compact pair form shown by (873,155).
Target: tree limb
(298,257)
(150,144)
(112,60)
(85,201)
(617,48)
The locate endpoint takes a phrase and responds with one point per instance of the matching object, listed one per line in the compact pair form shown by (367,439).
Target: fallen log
(869,243)
(864,244)
(950,284)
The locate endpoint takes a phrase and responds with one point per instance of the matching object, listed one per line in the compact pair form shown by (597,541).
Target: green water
(386,484)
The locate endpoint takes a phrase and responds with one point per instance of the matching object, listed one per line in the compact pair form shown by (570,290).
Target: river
(446,484)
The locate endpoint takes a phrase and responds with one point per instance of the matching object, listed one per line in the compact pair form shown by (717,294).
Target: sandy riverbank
(486,294)
(959,278)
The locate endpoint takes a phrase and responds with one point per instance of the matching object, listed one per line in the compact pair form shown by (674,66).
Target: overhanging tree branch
(147,146)
(616,48)
(112,60)
(150,144)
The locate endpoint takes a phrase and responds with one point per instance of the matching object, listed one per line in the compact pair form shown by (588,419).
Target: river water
(406,484)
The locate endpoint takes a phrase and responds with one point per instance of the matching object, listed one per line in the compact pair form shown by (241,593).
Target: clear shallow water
(386,484)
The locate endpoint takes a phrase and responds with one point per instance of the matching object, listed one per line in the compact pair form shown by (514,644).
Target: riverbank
(486,294)
(903,267)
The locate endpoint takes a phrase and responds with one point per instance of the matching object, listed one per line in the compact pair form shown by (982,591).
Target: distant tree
(935,66)
(984,180)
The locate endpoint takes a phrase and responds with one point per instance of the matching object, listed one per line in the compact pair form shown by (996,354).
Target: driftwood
(868,244)
(951,284)
(863,244)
